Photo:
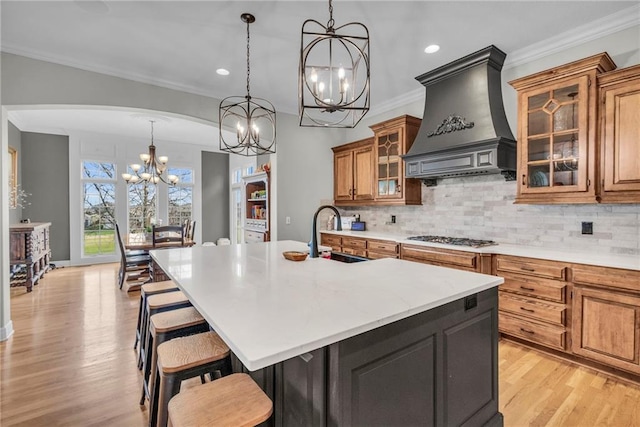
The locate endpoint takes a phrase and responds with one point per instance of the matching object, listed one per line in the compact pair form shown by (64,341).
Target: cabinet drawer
(610,277)
(536,309)
(439,256)
(331,240)
(378,255)
(547,335)
(548,269)
(354,242)
(382,246)
(357,252)
(532,286)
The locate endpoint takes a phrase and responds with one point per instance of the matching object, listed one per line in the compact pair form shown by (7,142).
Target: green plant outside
(99,242)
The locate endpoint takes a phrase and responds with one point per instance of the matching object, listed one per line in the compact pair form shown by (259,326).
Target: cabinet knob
(354,191)
(524,181)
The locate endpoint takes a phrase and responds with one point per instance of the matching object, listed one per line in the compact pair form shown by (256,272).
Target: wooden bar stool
(183,358)
(146,290)
(235,400)
(157,304)
(163,327)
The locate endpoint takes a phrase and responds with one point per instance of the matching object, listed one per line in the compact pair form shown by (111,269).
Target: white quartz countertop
(269,309)
(631,262)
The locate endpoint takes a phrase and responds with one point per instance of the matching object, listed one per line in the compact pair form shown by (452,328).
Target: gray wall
(305,175)
(215,196)
(45,174)
(15,215)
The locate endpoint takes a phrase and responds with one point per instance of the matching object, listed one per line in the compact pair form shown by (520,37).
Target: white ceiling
(180,44)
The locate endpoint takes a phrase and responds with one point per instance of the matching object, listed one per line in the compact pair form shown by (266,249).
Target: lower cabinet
(360,246)
(354,246)
(332,240)
(533,300)
(377,249)
(606,316)
(461,260)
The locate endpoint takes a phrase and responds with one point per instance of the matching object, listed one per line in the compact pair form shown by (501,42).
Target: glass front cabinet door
(557,120)
(393,138)
(555,138)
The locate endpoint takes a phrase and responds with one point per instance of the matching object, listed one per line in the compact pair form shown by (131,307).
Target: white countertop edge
(254,365)
(629,262)
(289,353)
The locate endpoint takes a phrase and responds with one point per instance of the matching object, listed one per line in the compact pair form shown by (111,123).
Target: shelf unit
(255,218)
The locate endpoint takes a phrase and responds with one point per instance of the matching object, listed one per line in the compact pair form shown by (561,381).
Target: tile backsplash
(482,207)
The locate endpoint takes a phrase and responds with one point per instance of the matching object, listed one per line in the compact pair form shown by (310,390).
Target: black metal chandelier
(153,167)
(253,119)
(333,79)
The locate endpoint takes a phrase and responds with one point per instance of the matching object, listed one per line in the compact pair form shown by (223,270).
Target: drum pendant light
(253,120)
(333,78)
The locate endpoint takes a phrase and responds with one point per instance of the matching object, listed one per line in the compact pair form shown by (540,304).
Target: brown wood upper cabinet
(557,131)
(371,171)
(620,133)
(578,132)
(353,172)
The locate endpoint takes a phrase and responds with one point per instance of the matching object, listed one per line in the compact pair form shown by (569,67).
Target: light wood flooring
(71,362)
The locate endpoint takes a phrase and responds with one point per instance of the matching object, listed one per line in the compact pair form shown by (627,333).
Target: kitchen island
(384,342)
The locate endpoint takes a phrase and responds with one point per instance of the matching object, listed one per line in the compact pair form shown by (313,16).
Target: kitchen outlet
(287,220)
(587,227)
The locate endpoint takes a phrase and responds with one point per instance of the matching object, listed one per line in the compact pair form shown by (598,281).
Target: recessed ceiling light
(222,72)
(432,48)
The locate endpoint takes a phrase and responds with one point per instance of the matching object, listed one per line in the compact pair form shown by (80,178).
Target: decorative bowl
(295,255)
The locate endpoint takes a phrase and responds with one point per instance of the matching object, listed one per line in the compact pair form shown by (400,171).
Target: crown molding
(106,70)
(398,102)
(599,28)
(602,27)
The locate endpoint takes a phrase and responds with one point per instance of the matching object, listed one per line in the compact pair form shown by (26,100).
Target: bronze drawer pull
(527,268)
(527,289)
(527,310)
(527,331)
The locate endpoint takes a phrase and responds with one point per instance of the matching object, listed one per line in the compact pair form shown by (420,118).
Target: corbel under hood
(464,130)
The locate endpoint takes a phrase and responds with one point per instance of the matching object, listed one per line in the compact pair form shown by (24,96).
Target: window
(142,209)
(99,205)
(181,196)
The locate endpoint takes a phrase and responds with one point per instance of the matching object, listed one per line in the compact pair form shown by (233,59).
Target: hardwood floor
(71,362)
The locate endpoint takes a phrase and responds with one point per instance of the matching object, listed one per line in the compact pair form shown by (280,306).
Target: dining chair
(168,234)
(192,230)
(186,225)
(133,264)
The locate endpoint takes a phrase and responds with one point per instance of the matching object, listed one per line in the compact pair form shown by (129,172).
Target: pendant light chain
(151,131)
(331,22)
(248,64)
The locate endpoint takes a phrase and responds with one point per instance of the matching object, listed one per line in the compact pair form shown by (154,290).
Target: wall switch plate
(287,220)
(587,227)
(393,219)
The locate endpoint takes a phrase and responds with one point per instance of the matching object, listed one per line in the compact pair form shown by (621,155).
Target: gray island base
(437,368)
(386,342)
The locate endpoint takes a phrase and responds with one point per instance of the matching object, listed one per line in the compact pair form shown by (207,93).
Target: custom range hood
(464,130)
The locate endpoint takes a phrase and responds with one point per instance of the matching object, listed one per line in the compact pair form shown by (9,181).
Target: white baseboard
(6,331)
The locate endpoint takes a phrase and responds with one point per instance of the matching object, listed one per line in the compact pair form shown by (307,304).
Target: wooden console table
(29,246)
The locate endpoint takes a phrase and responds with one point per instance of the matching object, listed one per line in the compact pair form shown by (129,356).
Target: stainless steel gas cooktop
(460,241)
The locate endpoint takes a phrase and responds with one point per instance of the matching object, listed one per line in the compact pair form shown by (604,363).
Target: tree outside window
(142,209)
(99,190)
(181,196)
